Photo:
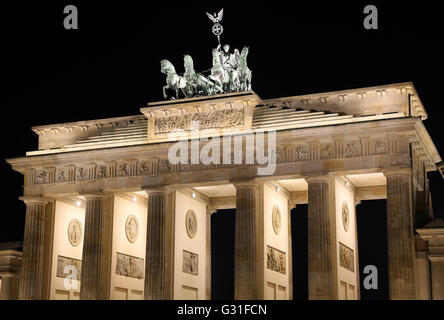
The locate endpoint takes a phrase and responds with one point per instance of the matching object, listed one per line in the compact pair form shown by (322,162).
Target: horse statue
(173,80)
(198,84)
(244,71)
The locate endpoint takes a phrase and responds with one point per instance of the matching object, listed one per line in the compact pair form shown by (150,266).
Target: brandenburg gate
(120,208)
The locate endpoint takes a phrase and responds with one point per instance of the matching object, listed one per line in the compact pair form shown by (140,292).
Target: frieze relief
(144,168)
(164,166)
(42,177)
(127,168)
(83,173)
(122,170)
(328,151)
(352,149)
(101,172)
(62,174)
(284,154)
(228,118)
(380,146)
(301,152)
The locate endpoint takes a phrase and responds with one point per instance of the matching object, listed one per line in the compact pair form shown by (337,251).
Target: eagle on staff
(217,27)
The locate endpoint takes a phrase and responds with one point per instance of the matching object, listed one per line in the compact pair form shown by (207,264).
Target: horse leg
(164,93)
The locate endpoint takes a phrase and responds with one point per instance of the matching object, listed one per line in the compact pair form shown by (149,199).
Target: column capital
(160,189)
(238,183)
(292,204)
(34,200)
(318,178)
(397,172)
(94,196)
(436,257)
(211,210)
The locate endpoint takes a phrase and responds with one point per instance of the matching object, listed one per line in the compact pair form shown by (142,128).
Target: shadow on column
(372,244)
(222,254)
(299,227)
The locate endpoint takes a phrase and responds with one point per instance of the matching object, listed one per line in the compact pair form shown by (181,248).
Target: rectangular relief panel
(190,263)
(276,260)
(129,266)
(69,267)
(346,257)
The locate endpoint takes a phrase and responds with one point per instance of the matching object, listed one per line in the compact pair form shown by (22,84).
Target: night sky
(110,67)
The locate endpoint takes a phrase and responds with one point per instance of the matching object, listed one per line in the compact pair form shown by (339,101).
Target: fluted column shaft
(92,276)
(321,279)
(31,277)
(8,290)
(437,277)
(246,286)
(156,275)
(400,238)
(210,211)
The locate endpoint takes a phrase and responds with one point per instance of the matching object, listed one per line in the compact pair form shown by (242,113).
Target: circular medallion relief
(75,232)
(191,223)
(345,216)
(276,219)
(131,228)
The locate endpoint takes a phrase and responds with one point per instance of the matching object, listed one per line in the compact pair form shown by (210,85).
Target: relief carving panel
(69,267)
(328,151)
(227,118)
(129,266)
(276,260)
(190,263)
(346,257)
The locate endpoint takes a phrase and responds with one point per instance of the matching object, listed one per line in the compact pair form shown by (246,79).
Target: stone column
(93,273)
(400,238)
(437,276)
(31,277)
(321,240)
(158,261)
(9,286)
(291,206)
(210,211)
(247,283)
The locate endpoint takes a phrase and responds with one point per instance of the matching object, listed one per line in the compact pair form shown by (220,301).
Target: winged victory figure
(216,18)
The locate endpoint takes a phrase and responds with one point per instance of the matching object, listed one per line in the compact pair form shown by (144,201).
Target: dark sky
(110,66)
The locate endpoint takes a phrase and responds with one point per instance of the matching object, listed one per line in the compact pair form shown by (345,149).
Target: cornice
(69,126)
